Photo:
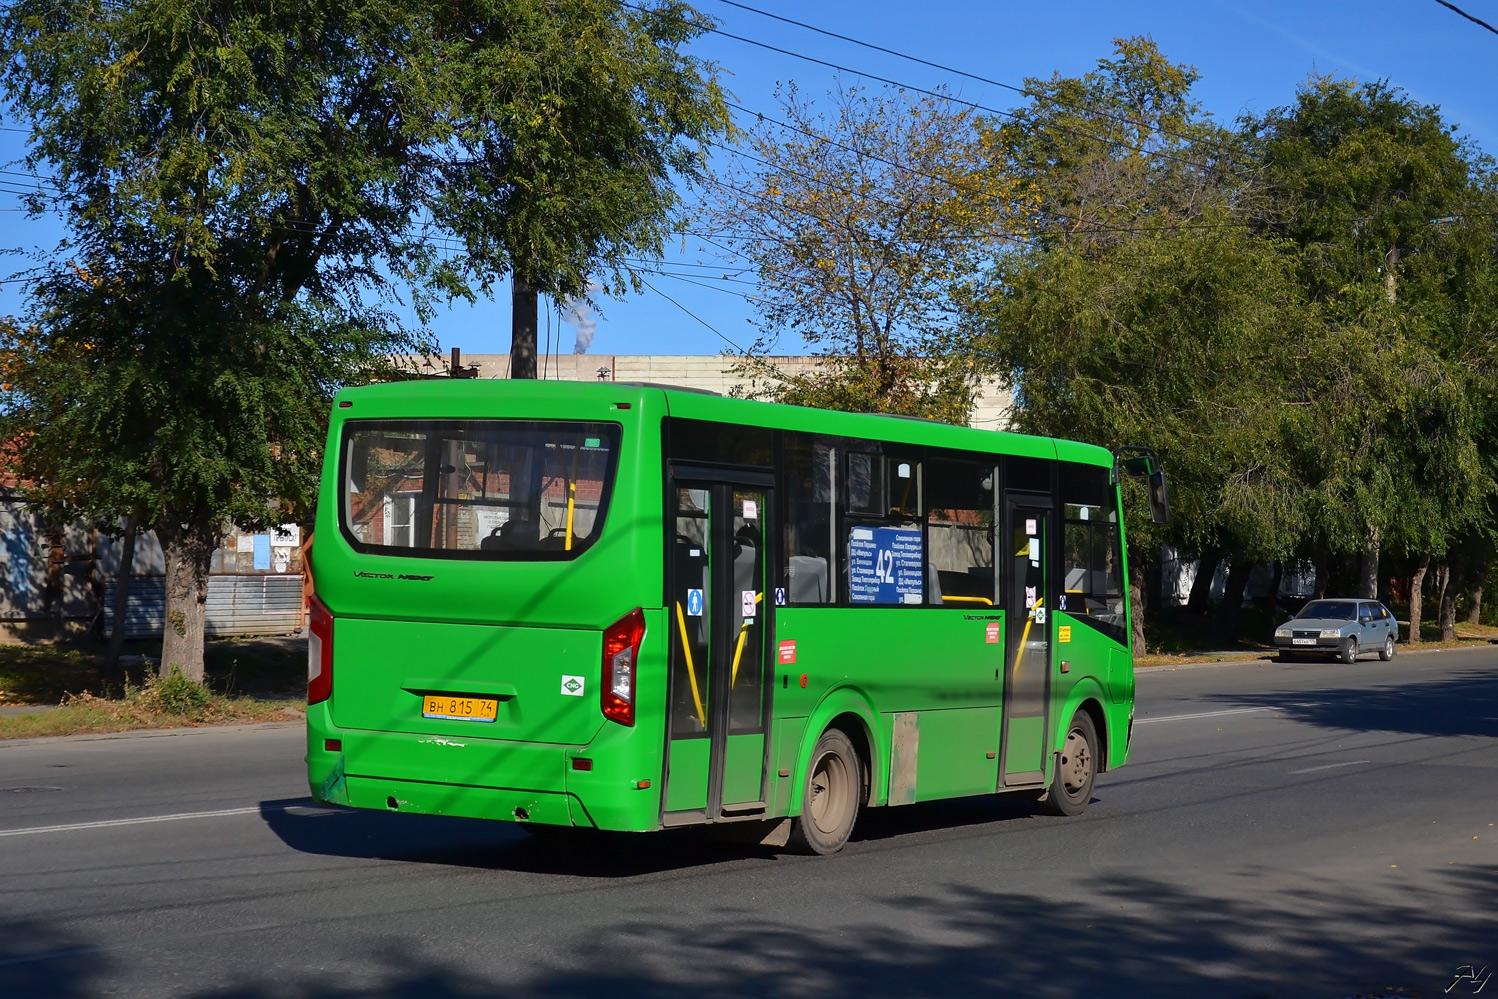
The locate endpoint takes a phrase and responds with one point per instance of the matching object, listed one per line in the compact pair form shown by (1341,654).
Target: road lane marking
(148,819)
(1330,766)
(1199,714)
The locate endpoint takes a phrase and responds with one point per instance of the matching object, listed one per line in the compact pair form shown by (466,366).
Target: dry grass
(162,702)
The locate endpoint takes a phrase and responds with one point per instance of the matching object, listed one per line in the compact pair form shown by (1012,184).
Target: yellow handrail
(686,648)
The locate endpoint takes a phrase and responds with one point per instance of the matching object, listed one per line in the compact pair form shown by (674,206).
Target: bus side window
(1092,558)
(808,479)
(959,533)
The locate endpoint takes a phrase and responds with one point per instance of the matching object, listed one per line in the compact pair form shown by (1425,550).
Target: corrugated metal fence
(237,605)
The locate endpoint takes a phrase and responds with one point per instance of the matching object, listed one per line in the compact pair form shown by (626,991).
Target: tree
(864,222)
(1144,312)
(248,189)
(1170,341)
(1380,200)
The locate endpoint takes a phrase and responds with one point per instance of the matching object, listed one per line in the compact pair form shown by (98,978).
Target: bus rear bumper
(480,778)
(424,798)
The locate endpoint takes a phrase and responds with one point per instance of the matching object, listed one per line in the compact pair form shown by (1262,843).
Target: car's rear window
(479,489)
(1331,610)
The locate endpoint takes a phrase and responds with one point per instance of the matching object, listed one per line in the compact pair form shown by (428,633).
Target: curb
(152,733)
(1246,658)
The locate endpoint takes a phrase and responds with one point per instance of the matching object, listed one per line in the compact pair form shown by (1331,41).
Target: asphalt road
(1283,830)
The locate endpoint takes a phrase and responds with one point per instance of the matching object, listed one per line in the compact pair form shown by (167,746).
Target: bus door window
(746,667)
(1028,645)
(691,611)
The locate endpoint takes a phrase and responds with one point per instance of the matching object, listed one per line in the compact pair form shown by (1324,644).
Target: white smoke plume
(579,313)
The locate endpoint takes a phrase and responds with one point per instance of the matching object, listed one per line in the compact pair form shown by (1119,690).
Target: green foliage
(173,694)
(1171,341)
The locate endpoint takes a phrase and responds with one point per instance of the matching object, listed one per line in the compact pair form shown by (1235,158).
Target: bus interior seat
(808,579)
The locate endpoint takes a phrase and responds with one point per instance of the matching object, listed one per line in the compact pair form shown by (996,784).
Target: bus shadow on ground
(1464,704)
(498,845)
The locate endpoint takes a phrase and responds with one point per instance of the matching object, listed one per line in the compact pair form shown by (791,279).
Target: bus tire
(829,796)
(1076,769)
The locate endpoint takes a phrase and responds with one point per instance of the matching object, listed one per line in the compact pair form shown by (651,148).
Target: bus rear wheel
(1076,769)
(829,796)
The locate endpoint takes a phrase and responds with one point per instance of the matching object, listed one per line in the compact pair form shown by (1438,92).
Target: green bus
(632,607)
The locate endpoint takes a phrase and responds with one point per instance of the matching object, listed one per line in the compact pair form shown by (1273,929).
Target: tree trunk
(1474,613)
(1450,585)
(1231,608)
(188,549)
(1136,601)
(1323,574)
(523,313)
(1200,600)
(1416,582)
(111,667)
(1367,588)
(1272,598)
(1442,581)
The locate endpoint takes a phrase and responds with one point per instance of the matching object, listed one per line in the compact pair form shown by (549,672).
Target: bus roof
(407,399)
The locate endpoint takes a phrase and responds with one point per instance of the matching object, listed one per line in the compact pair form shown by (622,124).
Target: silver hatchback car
(1340,628)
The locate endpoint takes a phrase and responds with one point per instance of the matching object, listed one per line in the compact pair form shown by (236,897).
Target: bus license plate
(1304,641)
(479,709)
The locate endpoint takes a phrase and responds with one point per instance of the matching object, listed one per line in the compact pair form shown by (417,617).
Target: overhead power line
(1443,3)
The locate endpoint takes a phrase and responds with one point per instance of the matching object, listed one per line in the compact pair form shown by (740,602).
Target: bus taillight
(621,650)
(319,652)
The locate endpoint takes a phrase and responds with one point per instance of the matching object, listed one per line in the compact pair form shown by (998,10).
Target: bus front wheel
(1076,769)
(829,796)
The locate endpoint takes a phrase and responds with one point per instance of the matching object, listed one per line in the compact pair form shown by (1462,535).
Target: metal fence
(237,605)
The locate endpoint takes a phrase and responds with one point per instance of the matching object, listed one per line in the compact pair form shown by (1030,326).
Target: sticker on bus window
(751,510)
(780,596)
(592,441)
(1029,597)
(1030,528)
(747,602)
(694,603)
(1034,549)
(1040,615)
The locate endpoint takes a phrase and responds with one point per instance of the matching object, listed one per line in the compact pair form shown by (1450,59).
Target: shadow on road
(502,845)
(1465,703)
(39,960)
(1130,936)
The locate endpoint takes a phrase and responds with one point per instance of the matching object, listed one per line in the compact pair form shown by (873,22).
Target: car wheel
(829,797)
(1076,769)
(1387,652)
(1349,651)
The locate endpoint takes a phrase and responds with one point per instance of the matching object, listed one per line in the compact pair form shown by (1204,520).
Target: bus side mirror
(1142,463)
(1159,498)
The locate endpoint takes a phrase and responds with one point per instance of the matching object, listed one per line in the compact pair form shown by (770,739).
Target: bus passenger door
(717,704)
(1027,654)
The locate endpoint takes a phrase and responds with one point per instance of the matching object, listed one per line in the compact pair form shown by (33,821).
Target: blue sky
(1251,57)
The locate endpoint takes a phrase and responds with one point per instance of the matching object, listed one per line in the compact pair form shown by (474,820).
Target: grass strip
(161,702)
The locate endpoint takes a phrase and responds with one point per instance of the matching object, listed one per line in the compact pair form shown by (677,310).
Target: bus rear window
(477,489)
